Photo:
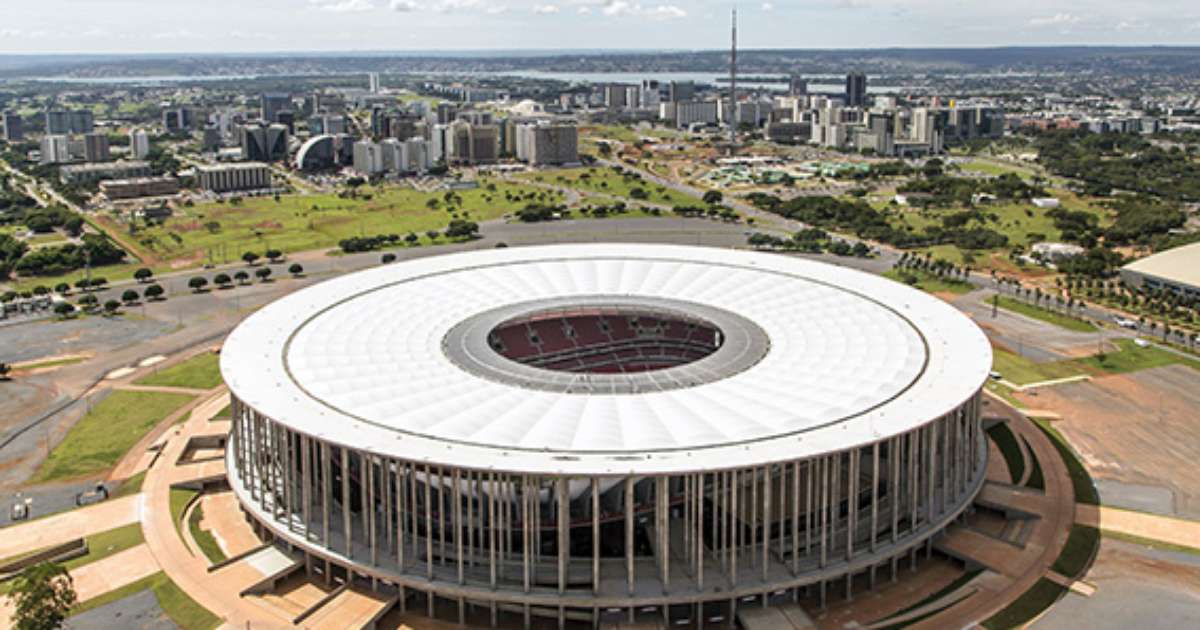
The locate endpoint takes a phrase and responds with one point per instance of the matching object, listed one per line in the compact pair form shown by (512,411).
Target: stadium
(595,433)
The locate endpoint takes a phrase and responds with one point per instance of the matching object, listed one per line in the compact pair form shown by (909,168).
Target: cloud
(1058,19)
(767,6)
(404,6)
(343,6)
(621,8)
(545,9)
(1131,25)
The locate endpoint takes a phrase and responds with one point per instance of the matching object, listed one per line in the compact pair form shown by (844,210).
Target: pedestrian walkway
(1165,529)
(66,526)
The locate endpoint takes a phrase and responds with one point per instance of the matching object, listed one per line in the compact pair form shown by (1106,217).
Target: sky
(157,26)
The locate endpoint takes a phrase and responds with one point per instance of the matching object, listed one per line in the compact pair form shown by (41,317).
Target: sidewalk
(1174,531)
(65,526)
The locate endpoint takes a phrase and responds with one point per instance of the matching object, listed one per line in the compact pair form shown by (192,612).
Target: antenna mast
(733,85)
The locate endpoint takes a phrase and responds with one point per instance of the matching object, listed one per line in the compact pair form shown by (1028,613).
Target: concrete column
(629,535)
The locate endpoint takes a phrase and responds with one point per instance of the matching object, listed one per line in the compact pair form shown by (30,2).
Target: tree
(153,292)
(411,238)
(64,309)
(89,301)
(296,269)
(713,197)
(459,228)
(250,258)
(129,296)
(143,275)
(41,290)
(274,255)
(197,284)
(223,280)
(62,288)
(43,595)
(263,273)
(111,307)
(241,277)
(388,258)
(4,370)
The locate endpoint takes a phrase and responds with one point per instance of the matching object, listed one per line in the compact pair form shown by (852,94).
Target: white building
(368,157)
(234,177)
(139,144)
(56,149)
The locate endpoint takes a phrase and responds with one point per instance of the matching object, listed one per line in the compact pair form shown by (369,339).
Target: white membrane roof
(361,361)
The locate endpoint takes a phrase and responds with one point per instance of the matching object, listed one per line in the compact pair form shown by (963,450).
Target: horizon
(119,27)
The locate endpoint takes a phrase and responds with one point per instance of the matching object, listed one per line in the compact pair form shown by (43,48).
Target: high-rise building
(547,144)
(58,122)
(368,157)
(856,89)
(177,120)
(392,153)
(264,143)
(416,155)
(681,91)
(273,103)
(373,82)
(95,147)
(621,96)
(139,143)
(484,144)
(81,121)
(13,127)
(56,149)
(797,86)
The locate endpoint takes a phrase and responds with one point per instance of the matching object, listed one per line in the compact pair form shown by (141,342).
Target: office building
(273,103)
(95,147)
(484,144)
(139,187)
(797,86)
(681,91)
(177,120)
(373,82)
(684,114)
(58,123)
(544,145)
(234,177)
(12,126)
(856,90)
(368,158)
(139,144)
(264,143)
(94,172)
(416,155)
(319,152)
(56,149)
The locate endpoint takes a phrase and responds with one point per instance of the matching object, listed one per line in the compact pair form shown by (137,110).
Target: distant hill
(1099,60)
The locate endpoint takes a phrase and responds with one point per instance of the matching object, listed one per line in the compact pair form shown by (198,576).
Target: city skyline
(129,26)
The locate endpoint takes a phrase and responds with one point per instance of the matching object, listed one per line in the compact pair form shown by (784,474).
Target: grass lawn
(1010,449)
(1078,552)
(105,434)
(112,273)
(132,485)
(182,610)
(204,538)
(995,168)
(604,180)
(1085,490)
(1131,358)
(49,363)
(1004,392)
(610,132)
(298,223)
(1042,314)
(1022,371)
(1036,480)
(928,282)
(180,497)
(202,371)
(224,414)
(1029,605)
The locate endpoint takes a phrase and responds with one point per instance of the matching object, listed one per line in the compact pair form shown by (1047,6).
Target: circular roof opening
(600,339)
(606,344)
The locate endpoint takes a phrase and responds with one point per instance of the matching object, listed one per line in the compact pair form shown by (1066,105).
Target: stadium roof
(1180,265)
(362,361)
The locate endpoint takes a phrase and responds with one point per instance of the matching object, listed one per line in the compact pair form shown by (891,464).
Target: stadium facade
(599,432)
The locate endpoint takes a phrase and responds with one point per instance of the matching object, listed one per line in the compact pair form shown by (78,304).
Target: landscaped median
(1043,314)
